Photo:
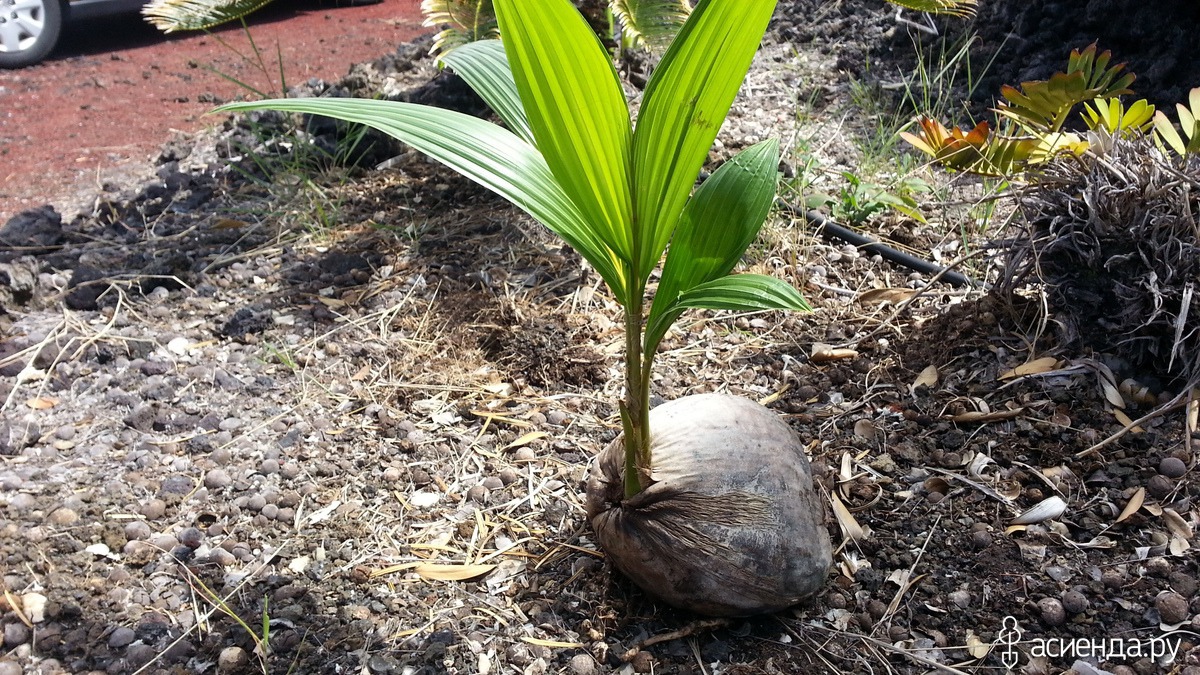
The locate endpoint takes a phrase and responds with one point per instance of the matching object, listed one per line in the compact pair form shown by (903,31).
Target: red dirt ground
(115,90)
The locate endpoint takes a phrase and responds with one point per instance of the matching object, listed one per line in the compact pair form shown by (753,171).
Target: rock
(217,479)
(190,537)
(582,664)
(136,530)
(1172,467)
(34,606)
(1159,486)
(154,509)
(15,633)
(16,436)
(478,494)
(232,659)
(1052,611)
(269,466)
(1172,607)
(493,483)
(960,598)
(1182,583)
(122,636)
(1074,602)
(34,228)
(10,667)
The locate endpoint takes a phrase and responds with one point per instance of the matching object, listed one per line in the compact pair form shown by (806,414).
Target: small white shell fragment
(1047,509)
(102,551)
(34,607)
(179,346)
(422,499)
(299,565)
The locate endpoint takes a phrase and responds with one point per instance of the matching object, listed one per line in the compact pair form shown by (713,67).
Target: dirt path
(117,89)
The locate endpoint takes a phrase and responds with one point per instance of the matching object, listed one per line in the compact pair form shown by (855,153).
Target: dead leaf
(1177,525)
(927,378)
(865,428)
(977,647)
(361,374)
(1042,365)
(41,402)
(1178,546)
(980,417)
(1126,422)
(1135,503)
(823,353)
(850,527)
(228,224)
(526,439)
(877,296)
(437,572)
(554,644)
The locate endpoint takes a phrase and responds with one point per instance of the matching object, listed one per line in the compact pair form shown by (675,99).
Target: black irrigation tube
(831,230)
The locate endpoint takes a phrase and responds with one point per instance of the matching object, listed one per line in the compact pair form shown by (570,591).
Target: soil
(354,409)
(97,111)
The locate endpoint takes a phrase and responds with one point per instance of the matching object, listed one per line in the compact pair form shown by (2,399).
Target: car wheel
(29,29)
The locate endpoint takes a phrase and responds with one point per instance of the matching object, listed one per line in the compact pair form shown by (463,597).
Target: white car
(29,29)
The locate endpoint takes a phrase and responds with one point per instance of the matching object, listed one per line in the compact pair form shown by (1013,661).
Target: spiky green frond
(951,7)
(463,21)
(1165,134)
(650,23)
(1044,105)
(171,16)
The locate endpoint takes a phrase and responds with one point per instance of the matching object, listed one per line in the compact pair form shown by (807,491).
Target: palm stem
(636,408)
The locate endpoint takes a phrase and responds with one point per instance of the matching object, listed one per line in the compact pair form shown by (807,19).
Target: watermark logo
(1160,649)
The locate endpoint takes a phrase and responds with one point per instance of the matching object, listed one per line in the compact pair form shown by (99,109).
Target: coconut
(730,524)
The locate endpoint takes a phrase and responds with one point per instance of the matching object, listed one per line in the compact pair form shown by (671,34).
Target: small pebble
(290,470)
(1172,608)
(22,502)
(508,475)
(583,664)
(525,455)
(232,659)
(478,494)
(1074,602)
(1182,584)
(10,668)
(256,503)
(1052,611)
(62,516)
(1159,486)
(493,483)
(121,637)
(1172,467)
(136,530)
(217,479)
(269,466)
(960,598)
(270,511)
(392,474)
(15,633)
(981,539)
(556,417)
(190,537)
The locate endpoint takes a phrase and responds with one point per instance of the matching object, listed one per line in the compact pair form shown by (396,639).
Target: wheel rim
(21,24)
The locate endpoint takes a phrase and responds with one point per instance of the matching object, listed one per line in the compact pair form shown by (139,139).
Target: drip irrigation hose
(831,230)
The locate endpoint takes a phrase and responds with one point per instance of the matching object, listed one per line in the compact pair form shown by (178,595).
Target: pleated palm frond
(171,16)
(650,23)
(463,21)
(951,7)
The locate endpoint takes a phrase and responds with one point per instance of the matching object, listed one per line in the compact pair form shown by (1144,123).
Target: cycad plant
(716,512)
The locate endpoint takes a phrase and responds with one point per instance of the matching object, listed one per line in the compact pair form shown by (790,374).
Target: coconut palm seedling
(707,501)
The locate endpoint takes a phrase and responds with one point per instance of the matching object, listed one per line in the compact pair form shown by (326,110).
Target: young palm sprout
(716,513)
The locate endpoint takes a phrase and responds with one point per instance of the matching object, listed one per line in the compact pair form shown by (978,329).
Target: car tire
(29,29)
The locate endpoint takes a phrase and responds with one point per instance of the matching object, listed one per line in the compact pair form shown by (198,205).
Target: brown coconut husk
(730,526)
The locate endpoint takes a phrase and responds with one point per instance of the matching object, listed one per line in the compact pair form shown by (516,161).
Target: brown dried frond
(1115,240)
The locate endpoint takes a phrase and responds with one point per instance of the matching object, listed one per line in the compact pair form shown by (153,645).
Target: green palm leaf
(576,109)
(685,103)
(487,154)
(743,293)
(717,225)
(650,23)
(171,16)
(485,68)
